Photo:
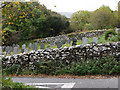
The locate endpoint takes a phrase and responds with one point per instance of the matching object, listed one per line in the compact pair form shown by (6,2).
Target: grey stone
(74,41)
(7,49)
(84,41)
(52,43)
(59,44)
(15,50)
(10,50)
(42,46)
(0,50)
(95,39)
(23,46)
(63,41)
(69,41)
(35,46)
(26,50)
(30,45)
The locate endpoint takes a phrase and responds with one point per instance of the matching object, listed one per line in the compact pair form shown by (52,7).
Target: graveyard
(65,51)
(36,41)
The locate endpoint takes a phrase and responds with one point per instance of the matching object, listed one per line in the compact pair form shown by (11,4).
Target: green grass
(101,39)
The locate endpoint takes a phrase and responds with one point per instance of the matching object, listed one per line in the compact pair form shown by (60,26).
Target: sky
(76,5)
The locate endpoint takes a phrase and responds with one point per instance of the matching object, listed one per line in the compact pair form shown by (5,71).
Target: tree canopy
(26,20)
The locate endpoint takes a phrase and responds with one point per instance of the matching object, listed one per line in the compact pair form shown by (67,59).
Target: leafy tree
(79,19)
(19,18)
(25,20)
(58,23)
(102,18)
(119,14)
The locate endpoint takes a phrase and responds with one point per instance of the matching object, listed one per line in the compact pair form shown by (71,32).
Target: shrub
(7,83)
(112,32)
(114,38)
(103,66)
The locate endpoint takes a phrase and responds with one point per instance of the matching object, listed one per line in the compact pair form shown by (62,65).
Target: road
(68,83)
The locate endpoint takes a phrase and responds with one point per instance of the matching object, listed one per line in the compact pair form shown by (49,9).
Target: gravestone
(59,44)
(63,41)
(13,45)
(7,49)
(69,41)
(0,50)
(26,50)
(15,50)
(42,46)
(30,45)
(23,48)
(3,48)
(84,41)
(52,43)
(10,50)
(95,39)
(35,46)
(74,41)
(18,48)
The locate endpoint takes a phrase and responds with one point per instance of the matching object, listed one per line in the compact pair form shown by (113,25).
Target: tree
(79,19)
(119,14)
(102,18)
(58,23)
(26,20)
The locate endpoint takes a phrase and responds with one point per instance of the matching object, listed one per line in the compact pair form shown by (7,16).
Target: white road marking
(65,85)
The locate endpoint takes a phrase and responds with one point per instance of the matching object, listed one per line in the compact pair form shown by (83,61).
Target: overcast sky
(76,5)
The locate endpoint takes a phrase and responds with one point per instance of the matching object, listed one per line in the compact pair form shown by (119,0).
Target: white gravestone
(84,41)
(95,39)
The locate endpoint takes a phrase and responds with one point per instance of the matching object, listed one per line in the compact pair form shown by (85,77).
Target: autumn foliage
(27,20)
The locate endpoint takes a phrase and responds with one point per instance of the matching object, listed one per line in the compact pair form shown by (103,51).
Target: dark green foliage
(110,32)
(27,21)
(7,83)
(103,66)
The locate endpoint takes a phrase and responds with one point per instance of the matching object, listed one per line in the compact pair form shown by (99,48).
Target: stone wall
(67,54)
(77,35)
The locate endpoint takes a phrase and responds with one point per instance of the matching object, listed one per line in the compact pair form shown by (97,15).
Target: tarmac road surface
(53,83)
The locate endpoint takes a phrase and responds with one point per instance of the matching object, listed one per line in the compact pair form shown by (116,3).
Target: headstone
(84,41)
(59,44)
(52,43)
(69,41)
(74,42)
(23,48)
(13,45)
(95,39)
(18,48)
(30,45)
(7,49)
(10,50)
(15,50)
(42,46)
(26,50)
(3,48)
(63,41)
(0,50)
(36,47)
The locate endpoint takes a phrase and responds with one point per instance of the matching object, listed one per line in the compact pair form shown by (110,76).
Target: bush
(114,38)
(7,83)
(119,36)
(103,66)
(110,32)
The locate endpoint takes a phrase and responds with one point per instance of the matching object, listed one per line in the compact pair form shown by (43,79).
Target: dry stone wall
(66,54)
(77,35)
